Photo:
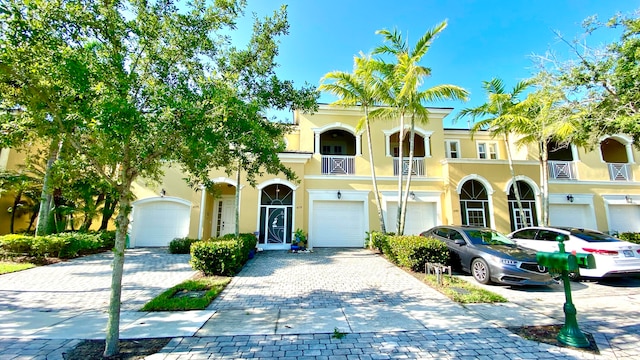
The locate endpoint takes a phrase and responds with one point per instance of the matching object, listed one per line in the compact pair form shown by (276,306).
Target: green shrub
(249,242)
(415,251)
(379,241)
(630,237)
(63,245)
(15,244)
(108,238)
(181,245)
(217,256)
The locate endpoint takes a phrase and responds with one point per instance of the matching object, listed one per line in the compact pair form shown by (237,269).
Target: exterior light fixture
(628,199)
(163,192)
(339,195)
(412,195)
(570,198)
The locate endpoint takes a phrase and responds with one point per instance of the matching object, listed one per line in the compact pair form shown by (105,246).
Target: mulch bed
(129,349)
(548,334)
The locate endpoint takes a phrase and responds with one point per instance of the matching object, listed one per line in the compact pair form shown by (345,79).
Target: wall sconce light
(412,195)
(570,198)
(339,195)
(628,199)
(163,192)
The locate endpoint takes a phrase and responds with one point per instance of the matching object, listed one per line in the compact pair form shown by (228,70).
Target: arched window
(474,204)
(528,201)
(276,214)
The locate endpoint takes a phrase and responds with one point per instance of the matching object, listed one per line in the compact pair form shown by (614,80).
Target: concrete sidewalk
(281,305)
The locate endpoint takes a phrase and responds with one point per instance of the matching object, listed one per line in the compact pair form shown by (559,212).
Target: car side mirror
(459,242)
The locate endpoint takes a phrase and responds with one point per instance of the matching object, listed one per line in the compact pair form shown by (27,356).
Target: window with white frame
(452,149)
(487,150)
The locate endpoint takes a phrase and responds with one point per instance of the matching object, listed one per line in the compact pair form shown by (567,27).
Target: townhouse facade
(457,178)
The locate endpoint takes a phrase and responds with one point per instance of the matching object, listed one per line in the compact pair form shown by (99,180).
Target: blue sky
(484,38)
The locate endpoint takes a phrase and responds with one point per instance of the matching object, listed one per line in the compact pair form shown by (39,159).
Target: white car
(613,256)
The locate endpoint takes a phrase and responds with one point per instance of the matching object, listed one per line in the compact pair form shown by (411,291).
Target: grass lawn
(194,294)
(462,291)
(9,267)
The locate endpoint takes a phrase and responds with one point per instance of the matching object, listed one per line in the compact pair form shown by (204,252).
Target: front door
(275,226)
(225,220)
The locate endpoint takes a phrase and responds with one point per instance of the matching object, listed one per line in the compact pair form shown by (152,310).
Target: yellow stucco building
(457,179)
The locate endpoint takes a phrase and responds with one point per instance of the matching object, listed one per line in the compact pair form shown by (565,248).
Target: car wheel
(480,271)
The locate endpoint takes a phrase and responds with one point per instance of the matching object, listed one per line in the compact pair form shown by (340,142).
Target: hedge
(415,251)
(222,256)
(631,237)
(181,245)
(64,245)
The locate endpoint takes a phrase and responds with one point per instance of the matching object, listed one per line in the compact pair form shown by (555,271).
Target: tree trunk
(400,175)
(516,189)
(16,202)
(237,200)
(46,199)
(88,216)
(34,215)
(107,211)
(409,171)
(544,180)
(376,193)
(122,222)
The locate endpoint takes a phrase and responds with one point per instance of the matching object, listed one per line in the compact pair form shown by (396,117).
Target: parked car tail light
(601,251)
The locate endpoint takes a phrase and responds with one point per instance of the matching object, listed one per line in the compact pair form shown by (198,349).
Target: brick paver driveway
(323,279)
(85,283)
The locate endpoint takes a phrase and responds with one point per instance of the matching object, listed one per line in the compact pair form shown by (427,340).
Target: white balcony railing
(417,170)
(619,172)
(338,164)
(562,170)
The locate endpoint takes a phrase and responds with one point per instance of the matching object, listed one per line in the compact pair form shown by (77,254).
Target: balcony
(562,170)
(619,172)
(417,170)
(338,164)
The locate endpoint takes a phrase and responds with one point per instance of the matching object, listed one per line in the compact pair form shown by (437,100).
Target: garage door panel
(624,218)
(576,215)
(157,223)
(420,216)
(338,224)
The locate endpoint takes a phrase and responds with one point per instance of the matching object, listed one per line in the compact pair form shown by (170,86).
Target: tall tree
(499,115)
(403,78)
(145,85)
(359,88)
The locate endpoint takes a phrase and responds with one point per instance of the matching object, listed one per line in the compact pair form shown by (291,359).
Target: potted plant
(299,240)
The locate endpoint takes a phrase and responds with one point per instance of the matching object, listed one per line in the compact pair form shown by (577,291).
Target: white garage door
(421,216)
(624,218)
(157,221)
(576,215)
(338,224)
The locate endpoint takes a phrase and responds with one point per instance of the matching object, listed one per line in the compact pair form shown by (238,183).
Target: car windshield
(488,237)
(592,236)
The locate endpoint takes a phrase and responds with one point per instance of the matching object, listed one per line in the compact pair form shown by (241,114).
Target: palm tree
(359,88)
(550,118)
(403,78)
(501,113)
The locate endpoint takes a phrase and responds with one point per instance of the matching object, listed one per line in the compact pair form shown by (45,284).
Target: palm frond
(423,44)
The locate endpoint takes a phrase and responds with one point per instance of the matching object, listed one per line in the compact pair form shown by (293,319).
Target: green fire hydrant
(563,263)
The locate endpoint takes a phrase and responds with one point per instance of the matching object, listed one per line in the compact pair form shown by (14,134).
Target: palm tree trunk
(405,201)
(544,180)
(400,175)
(516,189)
(376,193)
(46,199)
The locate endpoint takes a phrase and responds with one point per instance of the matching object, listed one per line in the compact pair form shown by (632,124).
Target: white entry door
(224,221)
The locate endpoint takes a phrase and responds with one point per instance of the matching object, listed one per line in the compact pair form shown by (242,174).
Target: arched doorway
(528,200)
(474,204)
(276,216)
